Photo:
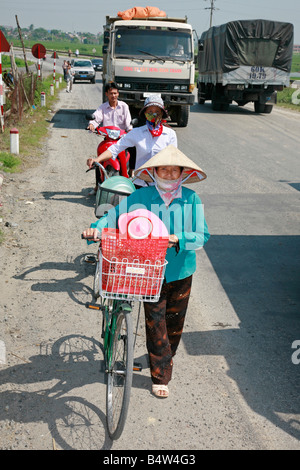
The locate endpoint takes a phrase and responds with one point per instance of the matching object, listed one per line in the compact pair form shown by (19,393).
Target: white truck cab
(151,56)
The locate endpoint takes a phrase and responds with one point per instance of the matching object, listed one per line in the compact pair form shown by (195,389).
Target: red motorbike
(112,134)
(120,165)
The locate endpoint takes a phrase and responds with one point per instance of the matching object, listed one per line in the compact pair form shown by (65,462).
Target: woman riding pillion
(148,139)
(182,212)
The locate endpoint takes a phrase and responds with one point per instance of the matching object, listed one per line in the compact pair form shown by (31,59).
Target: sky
(82,16)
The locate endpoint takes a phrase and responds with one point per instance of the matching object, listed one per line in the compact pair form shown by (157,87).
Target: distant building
(296,48)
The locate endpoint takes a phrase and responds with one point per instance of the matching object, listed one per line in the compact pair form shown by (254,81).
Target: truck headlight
(127,85)
(180,87)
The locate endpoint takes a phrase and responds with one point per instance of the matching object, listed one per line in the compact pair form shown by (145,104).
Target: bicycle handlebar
(172,244)
(89,238)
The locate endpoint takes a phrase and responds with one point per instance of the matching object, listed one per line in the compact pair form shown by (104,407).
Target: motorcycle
(112,134)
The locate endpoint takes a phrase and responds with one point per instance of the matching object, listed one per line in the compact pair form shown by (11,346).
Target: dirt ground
(52,389)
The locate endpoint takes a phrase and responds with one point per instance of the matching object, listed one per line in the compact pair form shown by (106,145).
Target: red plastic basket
(132,269)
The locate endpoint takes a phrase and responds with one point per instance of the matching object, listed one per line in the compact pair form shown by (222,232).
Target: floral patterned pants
(164,325)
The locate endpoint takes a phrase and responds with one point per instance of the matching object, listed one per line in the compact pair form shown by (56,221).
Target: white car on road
(83,69)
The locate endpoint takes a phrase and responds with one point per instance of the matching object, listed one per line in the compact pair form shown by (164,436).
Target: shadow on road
(260,275)
(75,197)
(77,270)
(70,118)
(74,422)
(233,109)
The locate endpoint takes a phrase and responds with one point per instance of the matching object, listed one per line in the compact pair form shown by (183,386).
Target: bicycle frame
(109,328)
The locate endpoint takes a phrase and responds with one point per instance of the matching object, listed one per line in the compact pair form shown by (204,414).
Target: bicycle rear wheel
(119,376)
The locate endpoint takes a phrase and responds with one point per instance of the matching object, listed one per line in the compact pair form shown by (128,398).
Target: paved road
(235,385)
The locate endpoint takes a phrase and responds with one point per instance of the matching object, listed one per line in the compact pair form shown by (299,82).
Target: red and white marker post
(14,141)
(54,57)
(4,47)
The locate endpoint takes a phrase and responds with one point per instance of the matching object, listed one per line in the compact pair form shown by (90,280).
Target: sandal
(160,390)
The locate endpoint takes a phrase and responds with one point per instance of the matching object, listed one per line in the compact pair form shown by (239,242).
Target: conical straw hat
(171,156)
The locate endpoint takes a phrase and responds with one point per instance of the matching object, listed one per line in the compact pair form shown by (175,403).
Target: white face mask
(168,189)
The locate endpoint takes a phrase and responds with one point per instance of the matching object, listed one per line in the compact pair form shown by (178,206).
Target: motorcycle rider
(148,139)
(111,113)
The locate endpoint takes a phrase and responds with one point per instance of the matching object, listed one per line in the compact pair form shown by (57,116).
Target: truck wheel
(183,115)
(93,80)
(201,100)
(259,107)
(224,106)
(215,100)
(268,108)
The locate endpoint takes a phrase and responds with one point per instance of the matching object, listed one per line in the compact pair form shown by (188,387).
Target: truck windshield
(254,51)
(162,43)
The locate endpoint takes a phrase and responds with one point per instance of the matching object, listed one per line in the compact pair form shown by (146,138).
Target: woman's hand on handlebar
(173,240)
(91,234)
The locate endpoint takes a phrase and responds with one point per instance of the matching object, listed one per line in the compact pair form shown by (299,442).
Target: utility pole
(211,8)
(21,38)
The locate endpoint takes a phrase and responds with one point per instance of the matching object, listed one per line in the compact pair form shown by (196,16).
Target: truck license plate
(146,94)
(83,76)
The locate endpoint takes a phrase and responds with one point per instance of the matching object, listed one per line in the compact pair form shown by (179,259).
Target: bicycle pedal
(93,306)
(137,367)
(92,259)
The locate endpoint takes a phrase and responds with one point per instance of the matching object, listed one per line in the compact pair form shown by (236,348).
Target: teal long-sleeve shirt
(184,217)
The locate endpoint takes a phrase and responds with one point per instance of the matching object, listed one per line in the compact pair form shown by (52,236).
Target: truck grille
(152,86)
(155,86)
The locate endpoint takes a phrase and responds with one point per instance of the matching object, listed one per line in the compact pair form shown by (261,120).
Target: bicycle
(120,281)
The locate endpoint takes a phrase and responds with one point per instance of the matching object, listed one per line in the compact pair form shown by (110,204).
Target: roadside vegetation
(56,40)
(33,128)
(290,97)
(91,50)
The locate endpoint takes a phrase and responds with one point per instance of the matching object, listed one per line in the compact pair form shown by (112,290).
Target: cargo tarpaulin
(246,42)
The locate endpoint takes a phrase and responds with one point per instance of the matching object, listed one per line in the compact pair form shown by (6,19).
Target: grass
(295,63)
(9,163)
(64,46)
(6,64)
(288,98)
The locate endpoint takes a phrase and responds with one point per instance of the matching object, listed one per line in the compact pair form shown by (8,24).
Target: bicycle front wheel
(119,375)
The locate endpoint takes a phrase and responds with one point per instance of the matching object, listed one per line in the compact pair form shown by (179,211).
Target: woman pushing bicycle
(181,210)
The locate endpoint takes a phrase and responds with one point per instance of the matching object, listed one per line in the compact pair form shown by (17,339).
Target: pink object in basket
(142,223)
